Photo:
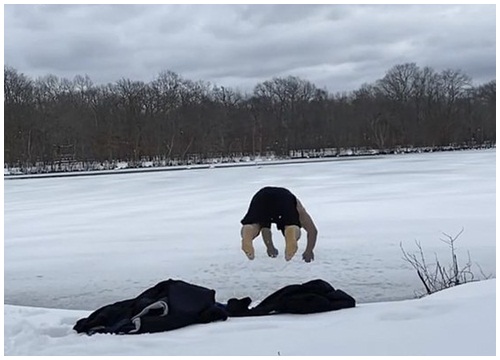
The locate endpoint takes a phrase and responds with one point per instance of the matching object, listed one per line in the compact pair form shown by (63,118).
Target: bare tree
(172,117)
(436,277)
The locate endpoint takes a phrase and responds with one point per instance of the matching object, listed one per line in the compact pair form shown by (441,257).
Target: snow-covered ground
(83,242)
(456,321)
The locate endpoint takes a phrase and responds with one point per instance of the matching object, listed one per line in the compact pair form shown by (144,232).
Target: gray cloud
(338,47)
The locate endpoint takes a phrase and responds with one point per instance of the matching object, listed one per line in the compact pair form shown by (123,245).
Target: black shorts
(272,205)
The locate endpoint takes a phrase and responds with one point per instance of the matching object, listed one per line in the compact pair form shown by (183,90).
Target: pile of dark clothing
(173,304)
(168,305)
(308,298)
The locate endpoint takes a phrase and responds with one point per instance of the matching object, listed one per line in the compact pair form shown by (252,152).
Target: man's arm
(268,241)
(312,232)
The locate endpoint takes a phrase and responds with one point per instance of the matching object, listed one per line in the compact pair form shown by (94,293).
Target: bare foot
(247,247)
(291,246)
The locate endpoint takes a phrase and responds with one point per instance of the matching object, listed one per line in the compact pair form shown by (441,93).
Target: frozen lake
(84,242)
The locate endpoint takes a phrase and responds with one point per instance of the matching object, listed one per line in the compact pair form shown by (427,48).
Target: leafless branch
(441,277)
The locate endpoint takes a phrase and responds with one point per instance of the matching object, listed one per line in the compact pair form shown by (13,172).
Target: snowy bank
(456,321)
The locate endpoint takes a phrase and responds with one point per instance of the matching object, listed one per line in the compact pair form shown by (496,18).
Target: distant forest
(50,119)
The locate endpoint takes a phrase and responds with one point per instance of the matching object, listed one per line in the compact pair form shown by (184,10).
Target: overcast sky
(337,47)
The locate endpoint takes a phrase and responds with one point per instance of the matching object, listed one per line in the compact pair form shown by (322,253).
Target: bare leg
(268,241)
(248,233)
(292,235)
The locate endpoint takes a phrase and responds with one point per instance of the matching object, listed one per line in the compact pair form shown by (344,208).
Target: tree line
(50,118)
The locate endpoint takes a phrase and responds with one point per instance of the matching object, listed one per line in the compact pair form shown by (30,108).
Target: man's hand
(308,256)
(272,252)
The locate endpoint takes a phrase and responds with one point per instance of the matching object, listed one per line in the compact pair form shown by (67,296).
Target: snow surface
(80,243)
(456,321)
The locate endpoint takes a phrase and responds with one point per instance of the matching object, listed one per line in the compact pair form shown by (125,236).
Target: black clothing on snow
(169,305)
(308,298)
(173,304)
(272,205)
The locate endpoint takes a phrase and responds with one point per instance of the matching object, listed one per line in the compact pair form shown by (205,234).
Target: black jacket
(169,305)
(311,297)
